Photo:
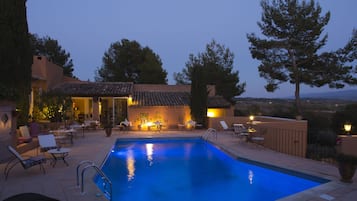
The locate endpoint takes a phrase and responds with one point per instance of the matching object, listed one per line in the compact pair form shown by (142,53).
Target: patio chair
(257,137)
(47,142)
(25,163)
(240,130)
(24,135)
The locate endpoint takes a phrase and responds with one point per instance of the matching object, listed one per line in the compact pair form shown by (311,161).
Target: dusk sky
(173,30)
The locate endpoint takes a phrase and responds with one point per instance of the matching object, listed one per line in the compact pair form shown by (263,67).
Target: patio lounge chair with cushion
(26,163)
(225,126)
(47,142)
(124,125)
(240,130)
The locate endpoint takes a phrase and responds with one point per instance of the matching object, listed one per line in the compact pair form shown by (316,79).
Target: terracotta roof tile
(142,98)
(174,99)
(87,89)
(161,98)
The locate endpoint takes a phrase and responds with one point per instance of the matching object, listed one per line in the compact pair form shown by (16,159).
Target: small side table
(59,154)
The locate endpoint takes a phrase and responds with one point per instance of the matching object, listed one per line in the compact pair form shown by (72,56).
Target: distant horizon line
(325,95)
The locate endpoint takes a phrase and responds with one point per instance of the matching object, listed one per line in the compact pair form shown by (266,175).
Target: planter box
(348,144)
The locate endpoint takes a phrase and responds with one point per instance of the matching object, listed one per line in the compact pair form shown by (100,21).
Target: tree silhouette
(127,61)
(291,49)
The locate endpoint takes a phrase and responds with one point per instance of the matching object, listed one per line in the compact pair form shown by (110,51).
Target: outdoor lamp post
(348,128)
(251,118)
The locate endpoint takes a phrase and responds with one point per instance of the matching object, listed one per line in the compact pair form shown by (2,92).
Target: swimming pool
(192,170)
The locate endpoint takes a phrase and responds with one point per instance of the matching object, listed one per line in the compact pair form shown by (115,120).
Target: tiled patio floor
(59,182)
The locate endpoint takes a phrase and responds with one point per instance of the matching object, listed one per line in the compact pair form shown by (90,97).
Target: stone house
(141,104)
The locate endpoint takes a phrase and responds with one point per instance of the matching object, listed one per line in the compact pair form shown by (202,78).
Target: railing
(211,132)
(106,180)
(283,135)
(292,141)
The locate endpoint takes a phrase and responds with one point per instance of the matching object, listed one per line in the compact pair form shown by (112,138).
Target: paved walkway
(59,182)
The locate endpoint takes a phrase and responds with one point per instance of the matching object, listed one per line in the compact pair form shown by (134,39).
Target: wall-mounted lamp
(347,128)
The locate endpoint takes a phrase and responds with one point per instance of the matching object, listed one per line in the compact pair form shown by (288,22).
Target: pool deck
(59,182)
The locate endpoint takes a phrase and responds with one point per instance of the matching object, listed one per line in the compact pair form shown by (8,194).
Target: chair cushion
(21,140)
(24,131)
(27,163)
(34,129)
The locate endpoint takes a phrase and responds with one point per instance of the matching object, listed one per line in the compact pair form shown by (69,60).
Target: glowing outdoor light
(210,114)
(348,128)
(251,118)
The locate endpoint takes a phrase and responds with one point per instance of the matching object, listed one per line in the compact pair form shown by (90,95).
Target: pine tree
(127,61)
(291,50)
(199,94)
(217,63)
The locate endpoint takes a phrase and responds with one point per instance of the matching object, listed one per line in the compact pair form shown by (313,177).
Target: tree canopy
(217,63)
(15,56)
(127,61)
(291,50)
(50,48)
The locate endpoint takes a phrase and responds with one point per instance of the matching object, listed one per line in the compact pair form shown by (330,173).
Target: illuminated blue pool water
(191,170)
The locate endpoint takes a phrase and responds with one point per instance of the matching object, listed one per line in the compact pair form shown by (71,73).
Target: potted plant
(108,129)
(108,126)
(346,166)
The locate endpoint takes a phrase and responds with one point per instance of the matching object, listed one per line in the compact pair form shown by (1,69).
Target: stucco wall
(42,69)
(7,129)
(170,116)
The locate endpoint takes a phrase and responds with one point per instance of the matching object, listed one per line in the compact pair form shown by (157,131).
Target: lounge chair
(240,130)
(191,124)
(47,142)
(124,125)
(26,163)
(225,126)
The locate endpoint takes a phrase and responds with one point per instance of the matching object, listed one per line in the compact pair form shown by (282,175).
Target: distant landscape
(326,102)
(350,95)
(343,95)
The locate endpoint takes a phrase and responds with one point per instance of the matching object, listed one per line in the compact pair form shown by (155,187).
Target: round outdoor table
(59,154)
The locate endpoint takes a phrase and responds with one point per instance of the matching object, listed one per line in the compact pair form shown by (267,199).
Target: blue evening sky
(173,29)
